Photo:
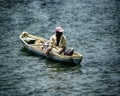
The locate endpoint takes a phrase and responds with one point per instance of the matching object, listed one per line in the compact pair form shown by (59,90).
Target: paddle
(39,44)
(45,45)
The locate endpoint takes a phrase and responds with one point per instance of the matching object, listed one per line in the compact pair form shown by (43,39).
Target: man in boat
(58,41)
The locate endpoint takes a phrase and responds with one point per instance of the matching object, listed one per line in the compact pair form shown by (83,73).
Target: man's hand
(61,50)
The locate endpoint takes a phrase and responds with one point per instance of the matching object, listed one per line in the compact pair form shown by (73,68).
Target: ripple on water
(91,27)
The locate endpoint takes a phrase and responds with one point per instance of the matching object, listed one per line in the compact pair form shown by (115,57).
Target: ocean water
(92,28)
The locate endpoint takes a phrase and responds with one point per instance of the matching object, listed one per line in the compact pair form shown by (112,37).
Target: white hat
(59,29)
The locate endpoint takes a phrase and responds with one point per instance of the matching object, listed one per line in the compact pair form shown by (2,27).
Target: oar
(43,45)
(39,44)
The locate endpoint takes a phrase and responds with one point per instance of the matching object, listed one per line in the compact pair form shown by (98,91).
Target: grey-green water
(91,27)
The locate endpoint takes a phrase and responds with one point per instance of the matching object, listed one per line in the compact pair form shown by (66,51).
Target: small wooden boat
(37,45)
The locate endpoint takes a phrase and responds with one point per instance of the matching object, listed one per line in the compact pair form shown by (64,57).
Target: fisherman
(58,41)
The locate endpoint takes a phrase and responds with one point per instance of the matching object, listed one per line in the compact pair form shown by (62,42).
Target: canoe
(31,43)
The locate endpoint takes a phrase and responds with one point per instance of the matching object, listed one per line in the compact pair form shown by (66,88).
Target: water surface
(91,27)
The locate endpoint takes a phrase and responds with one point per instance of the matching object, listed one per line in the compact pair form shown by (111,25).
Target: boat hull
(53,56)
